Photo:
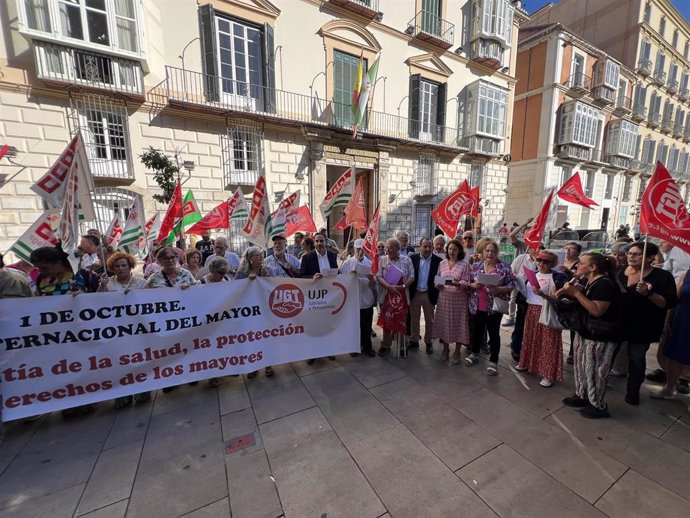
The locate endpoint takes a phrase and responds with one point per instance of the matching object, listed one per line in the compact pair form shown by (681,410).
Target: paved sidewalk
(358,437)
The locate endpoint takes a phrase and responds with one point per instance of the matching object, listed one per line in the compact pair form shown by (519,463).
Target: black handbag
(573,316)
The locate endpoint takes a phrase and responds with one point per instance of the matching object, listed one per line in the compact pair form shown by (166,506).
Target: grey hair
(244,267)
(221,241)
(402,234)
(217,264)
(393,241)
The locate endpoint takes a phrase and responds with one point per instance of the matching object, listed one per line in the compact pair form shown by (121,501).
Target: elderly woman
(542,346)
(170,275)
(121,264)
(451,323)
(251,267)
(218,271)
(600,299)
(676,349)
(484,316)
(649,293)
(193,262)
(440,245)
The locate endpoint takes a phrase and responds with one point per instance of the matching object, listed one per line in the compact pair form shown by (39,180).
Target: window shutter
(207,29)
(269,70)
(414,118)
(441,111)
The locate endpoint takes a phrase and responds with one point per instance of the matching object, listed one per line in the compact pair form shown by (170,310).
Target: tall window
(240,60)
(622,91)
(647,12)
(627,188)
(645,51)
(108,130)
(684,82)
(686,49)
(673,155)
(423,223)
(345,70)
(662,26)
(578,69)
(241,148)
(608,191)
(485,110)
(660,62)
(621,138)
(648,149)
(426,174)
(662,153)
(675,39)
(497,19)
(427,115)
(673,73)
(428,106)
(579,124)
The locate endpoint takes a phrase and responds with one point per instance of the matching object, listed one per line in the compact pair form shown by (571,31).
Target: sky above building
(683,6)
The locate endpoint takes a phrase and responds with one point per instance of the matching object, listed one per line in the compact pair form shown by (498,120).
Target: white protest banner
(61,352)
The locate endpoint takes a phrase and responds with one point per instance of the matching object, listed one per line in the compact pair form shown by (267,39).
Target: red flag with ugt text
(663,213)
(217,218)
(571,191)
(371,239)
(533,236)
(460,202)
(341,224)
(299,219)
(355,213)
(173,214)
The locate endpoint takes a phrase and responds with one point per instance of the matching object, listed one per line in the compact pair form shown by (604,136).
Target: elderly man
(221,250)
(330,243)
(468,245)
(393,295)
(366,295)
(314,263)
(296,248)
(279,263)
(404,239)
(88,246)
(423,293)
(440,246)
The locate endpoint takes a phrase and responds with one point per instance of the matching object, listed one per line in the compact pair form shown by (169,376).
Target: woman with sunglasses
(542,346)
(649,293)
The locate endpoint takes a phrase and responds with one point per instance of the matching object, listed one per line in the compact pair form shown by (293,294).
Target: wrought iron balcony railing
(639,112)
(213,94)
(654,119)
(644,67)
(367,8)
(683,94)
(659,77)
(574,152)
(579,83)
(432,28)
(622,106)
(672,87)
(70,65)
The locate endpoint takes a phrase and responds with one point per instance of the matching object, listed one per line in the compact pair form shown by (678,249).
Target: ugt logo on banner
(286,301)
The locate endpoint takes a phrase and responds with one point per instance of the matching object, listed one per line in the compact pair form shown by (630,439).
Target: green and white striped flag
(40,234)
(275,224)
(339,195)
(190,215)
(134,229)
(237,206)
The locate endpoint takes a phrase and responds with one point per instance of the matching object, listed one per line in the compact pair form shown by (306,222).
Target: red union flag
(114,232)
(172,215)
(461,201)
(533,236)
(371,239)
(217,218)
(571,191)
(663,213)
(299,219)
(355,213)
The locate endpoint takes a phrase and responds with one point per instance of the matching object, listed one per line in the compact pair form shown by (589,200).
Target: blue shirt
(424,266)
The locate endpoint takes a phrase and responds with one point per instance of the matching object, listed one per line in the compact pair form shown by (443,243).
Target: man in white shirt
(404,264)
(517,266)
(675,260)
(221,250)
(280,264)
(366,295)
(88,246)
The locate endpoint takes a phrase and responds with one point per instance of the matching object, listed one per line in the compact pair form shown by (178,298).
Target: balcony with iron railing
(684,94)
(366,8)
(618,161)
(639,112)
(672,87)
(91,70)
(487,52)
(431,28)
(578,85)
(659,77)
(666,125)
(636,166)
(644,67)
(623,106)
(654,120)
(574,152)
(195,90)
(678,129)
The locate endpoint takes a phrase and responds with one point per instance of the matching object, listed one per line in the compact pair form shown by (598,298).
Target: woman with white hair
(251,266)
(218,269)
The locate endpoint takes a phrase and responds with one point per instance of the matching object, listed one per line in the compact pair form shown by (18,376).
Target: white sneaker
(508,322)
(471,360)
(492,369)
(546,383)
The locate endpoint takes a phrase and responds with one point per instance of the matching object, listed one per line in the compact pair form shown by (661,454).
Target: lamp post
(325,74)
(184,70)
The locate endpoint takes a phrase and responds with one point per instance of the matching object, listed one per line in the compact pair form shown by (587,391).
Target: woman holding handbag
(600,302)
(488,302)
(542,346)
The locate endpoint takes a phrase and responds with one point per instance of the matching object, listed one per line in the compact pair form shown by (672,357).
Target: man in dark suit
(314,263)
(423,292)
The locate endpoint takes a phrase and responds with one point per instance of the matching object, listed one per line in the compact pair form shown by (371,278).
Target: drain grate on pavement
(239,443)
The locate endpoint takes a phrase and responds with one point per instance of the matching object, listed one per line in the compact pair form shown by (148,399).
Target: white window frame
(488,106)
(495,20)
(53,32)
(647,16)
(579,123)
(621,139)
(645,50)
(673,155)
(581,80)
(428,109)
(662,152)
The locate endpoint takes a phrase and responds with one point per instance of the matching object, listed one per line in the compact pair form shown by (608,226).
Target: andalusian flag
(276,224)
(190,215)
(134,228)
(339,195)
(360,92)
(237,206)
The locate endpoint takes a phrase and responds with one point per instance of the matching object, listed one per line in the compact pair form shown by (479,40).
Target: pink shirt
(483,301)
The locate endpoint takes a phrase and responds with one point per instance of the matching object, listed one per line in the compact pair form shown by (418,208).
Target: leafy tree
(165,172)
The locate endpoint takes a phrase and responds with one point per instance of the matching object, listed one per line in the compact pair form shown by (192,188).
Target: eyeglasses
(169,257)
(467,238)
(222,272)
(540,260)
(634,254)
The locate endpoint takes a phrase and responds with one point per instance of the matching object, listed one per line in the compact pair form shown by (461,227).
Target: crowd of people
(615,305)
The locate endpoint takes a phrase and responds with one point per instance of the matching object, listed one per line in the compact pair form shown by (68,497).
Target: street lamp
(400,103)
(325,74)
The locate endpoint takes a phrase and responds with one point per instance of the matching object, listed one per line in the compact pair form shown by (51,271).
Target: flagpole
(644,256)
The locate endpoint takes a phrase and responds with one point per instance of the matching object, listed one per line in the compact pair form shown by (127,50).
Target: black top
(206,249)
(433,272)
(643,321)
(310,263)
(605,290)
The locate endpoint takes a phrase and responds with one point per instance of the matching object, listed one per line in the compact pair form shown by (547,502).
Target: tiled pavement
(358,437)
